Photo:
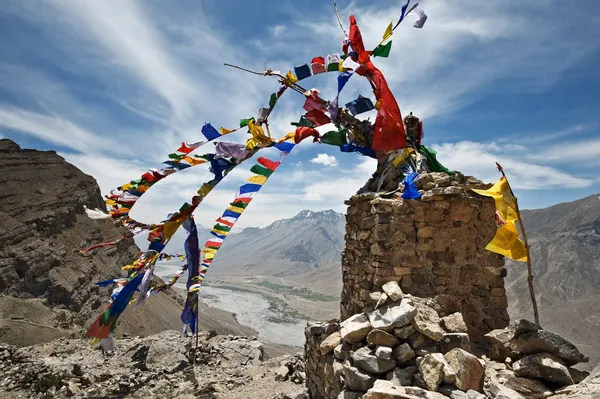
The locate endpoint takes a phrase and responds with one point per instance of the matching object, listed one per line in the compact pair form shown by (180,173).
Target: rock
(281,373)
(452,392)
(382,301)
(546,341)
(350,395)
(454,323)
(330,343)
(468,369)
(444,304)
(355,328)
(404,332)
(392,289)
(544,366)
(298,394)
(586,389)
(383,389)
(494,390)
(427,322)
(341,351)
(389,317)
(578,375)
(380,337)
(383,352)
(355,379)
(366,360)
(402,376)
(500,339)
(432,372)
(403,353)
(531,389)
(475,395)
(455,340)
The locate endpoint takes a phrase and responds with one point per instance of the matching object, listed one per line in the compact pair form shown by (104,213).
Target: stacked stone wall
(433,247)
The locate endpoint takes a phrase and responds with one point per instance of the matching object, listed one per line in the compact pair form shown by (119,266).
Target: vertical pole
(529,268)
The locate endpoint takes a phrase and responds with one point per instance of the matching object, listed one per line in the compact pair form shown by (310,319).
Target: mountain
(304,249)
(565,249)
(47,287)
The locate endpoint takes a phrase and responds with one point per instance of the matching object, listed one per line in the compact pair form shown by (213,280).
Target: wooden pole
(529,268)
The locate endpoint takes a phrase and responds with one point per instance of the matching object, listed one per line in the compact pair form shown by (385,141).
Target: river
(268,316)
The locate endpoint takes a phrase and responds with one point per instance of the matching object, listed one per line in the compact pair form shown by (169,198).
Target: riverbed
(270,317)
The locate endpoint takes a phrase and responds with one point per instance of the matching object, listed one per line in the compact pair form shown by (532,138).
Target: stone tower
(434,247)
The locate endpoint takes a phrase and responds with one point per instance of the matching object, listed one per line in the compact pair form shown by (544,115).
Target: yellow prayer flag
(193,161)
(388,33)
(289,136)
(506,242)
(291,78)
(127,186)
(226,131)
(171,227)
(401,158)
(258,179)
(110,202)
(204,190)
(235,209)
(505,202)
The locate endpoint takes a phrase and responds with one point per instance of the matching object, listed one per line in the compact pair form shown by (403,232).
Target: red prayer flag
(317,117)
(185,149)
(303,132)
(388,134)
(267,163)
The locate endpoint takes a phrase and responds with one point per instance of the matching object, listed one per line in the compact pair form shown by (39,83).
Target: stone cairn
(434,246)
(423,305)
(408,347)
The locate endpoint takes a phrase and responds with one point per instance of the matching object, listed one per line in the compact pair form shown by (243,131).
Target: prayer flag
(422,17)
(318,118)
(382,50)
(388,32)
(333,62)
(334,137)
(273,100)
(410,188)
(302,72)
(291,79)
(185,149)
(210,132)
(318,65)
(303,133)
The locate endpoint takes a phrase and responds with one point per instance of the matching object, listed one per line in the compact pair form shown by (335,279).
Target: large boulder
(355,379)
(383,389)
(365,359)
(355,329)
(468,369)
(454,323)
(427,322)
(546,341)
(380,337)
(393,316)
(330,343)
(403,353)
(500,339)
(544,366)
(392,289)
(402,376)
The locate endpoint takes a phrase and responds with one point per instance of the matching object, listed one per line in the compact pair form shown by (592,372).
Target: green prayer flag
(184,207)
(244,122)
(176,157)
(383,50)
(273,100)
(303,122)
(261,170)
(221,227)
(432,161)
(239,204)
(335,137)
(333,67)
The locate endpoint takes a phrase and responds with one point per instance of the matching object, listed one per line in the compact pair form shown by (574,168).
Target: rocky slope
(159,366)
(46,286)
(565,245)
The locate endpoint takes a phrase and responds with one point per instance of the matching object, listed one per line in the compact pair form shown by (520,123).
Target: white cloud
(277,30)
(313,197)
(325,159)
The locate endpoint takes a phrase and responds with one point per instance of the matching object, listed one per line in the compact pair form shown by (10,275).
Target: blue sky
(114,86)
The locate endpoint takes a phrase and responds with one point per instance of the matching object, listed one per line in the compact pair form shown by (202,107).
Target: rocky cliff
(47,287)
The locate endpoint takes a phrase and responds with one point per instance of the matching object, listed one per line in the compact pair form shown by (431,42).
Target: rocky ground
(159,366)
(408,347)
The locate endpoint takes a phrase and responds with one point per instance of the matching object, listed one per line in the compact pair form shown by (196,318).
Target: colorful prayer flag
(382,50)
